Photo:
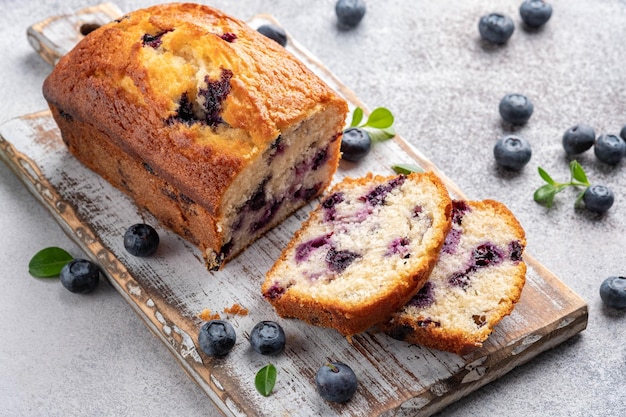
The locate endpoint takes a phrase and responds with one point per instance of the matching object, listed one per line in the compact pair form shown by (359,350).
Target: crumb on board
(207,315)
(235,309)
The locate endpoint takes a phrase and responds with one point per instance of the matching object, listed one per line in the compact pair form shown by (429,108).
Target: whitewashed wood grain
(169,290)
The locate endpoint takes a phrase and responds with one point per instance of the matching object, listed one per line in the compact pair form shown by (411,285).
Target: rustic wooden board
(168,291)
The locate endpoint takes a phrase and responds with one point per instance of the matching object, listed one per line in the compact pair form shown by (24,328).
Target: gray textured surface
(62,354)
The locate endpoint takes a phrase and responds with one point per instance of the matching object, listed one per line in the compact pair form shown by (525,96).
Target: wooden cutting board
(170,290)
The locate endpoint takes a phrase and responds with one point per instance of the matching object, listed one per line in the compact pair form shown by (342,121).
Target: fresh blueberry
(622,133)
(610,149)
(336,382)
(512,152)
(578,139)
(216,337)
(535,13)
(598,198)
(516,108)
(350,12)
(141,240)
(496,28)
(274,32)
(355,144)
(613,292)
(267,338)
(80,276)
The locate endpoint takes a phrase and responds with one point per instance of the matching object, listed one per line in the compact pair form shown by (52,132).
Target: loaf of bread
(476,282)
(363,252)
(215,129)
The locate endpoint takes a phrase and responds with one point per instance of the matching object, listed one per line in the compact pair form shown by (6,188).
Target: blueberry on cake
(363,253)
(211,126)
(476,282)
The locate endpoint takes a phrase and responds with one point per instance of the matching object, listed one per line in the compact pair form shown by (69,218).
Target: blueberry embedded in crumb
(339,260)
(214,95)
(425,296)
(276,33)
(459,279)
(515,251)
(229,37)
(487,254)
(304,250)
(154,41)
(274,292)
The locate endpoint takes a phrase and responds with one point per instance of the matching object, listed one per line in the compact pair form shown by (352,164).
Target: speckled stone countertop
(62,355)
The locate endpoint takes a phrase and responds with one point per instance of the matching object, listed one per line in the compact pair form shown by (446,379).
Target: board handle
(55,36)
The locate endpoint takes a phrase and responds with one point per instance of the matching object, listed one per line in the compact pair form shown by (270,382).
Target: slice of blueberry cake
(363,253)
(477,281)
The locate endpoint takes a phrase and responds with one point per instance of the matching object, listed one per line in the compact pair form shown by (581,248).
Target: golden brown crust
(87,84)
(117,88)
(351,318)
(418,329)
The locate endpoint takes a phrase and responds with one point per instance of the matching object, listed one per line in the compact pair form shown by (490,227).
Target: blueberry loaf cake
(476,282)
(362,253)
(217,130)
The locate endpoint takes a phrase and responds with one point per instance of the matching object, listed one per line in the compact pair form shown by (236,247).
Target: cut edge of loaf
(340,312)
(412,325)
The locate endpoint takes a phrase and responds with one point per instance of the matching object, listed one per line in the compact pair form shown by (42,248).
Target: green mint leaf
(379,135)
(545,195)
(48,262)
(357,116)
(578,173)
(406,168)
(265,379)
(380,118)
(546,177)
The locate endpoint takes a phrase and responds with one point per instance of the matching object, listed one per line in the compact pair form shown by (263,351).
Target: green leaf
(380,118)
(545,195)
(265,379)
(357,116)
(546,177)
(406,168)
(48,262)
(379,135)
(578,173)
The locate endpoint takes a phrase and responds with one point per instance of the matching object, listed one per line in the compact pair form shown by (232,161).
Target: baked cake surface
(214,128)
(476,282)
(363,252)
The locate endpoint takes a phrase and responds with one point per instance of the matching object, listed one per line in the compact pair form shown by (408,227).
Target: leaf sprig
(379,123)
(546,193)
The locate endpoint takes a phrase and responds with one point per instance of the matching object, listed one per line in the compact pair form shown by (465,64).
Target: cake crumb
(236,309)
(207,315)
